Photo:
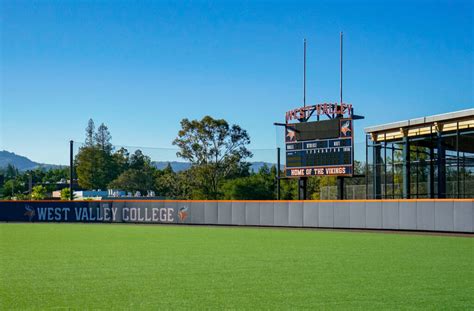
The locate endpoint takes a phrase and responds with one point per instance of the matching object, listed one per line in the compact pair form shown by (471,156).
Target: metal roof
(419,121)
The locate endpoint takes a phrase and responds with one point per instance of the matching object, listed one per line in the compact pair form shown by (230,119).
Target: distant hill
(181,166)
(175,165)
(22,163)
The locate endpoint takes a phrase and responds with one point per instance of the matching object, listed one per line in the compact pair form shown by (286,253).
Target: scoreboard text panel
(310,152)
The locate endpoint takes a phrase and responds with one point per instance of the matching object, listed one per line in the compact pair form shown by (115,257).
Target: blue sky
(140,67)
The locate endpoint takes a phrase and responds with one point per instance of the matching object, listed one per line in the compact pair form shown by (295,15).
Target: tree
(103,139)
(258,186)
(38,193)
(134,180)
(13,187)
(139,161)
(121,158)
(95,164)
(90,133)
(139,175)
(11,171)
(66,194)
(55,175)
(215,149)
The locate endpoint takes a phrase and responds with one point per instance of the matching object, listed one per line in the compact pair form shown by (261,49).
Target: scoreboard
(319,148)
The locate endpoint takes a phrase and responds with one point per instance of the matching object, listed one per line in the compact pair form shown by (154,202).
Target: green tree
(95,165)
(90,140)
(11,171)
(166,183)
(103,139)
(216,150)
(12,188)
(56,175)
(139,161)
(66,194)
(134,180)
(257,186)
(38,193)
(121,158)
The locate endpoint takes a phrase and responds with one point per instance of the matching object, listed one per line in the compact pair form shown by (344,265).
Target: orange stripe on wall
(247,201)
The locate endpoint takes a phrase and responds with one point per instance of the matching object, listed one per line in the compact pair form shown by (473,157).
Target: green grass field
(150,266)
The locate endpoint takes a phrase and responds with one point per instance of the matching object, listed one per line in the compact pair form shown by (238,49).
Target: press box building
(429,157)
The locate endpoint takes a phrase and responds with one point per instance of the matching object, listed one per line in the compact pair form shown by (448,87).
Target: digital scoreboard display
(319,148)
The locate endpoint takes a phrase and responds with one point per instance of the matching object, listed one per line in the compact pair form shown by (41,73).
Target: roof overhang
(419,122)
(452,121)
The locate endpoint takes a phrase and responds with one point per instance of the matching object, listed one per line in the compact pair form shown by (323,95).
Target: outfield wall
(424,215)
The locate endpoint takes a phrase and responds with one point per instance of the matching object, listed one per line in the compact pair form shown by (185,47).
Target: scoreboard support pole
(340,187)
(278,174)
(302,188)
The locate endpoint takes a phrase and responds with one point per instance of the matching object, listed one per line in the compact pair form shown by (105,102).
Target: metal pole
(431,175)
(441,162)
(366,167)
(302,181)
(340,187)
(71,169)
(417,169)
(342,35)
(302,188)
(457,159)
(278,174)
(464,175)
(406,168)
(384,195)
(304,74)
(393,171)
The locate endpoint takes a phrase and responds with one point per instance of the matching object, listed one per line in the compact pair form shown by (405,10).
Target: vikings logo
(290,135)
(183,213)
(30,212)
(346,128)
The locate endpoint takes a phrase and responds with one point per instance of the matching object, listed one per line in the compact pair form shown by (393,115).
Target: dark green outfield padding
(157,266)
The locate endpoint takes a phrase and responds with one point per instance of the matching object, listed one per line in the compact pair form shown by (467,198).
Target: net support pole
(71,169)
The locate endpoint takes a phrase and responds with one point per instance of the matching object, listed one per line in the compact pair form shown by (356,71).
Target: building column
(376,171)
(431,175)
(441,162)
(406,167)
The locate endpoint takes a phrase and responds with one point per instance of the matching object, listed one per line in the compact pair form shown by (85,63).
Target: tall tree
(215,149)
(95,164)
(103,138)
(90,133)
(139,161)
